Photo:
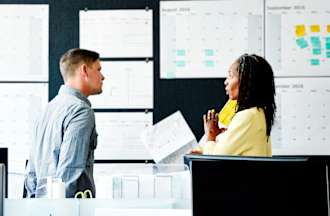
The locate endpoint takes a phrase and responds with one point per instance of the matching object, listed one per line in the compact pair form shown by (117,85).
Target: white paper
(130,187)
(168,136)
(163,187)
(302,124)
(126,85)
(119,135)
(21,105)
(291,53)
(24,42)
(117,33)
(200,39)
(141,212)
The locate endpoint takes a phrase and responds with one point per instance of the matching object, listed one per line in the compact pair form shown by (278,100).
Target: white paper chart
(20,106)
(117,33)
(298,37)
(201,39)
(119,135)
(24,42)
(126,85)
(302,124)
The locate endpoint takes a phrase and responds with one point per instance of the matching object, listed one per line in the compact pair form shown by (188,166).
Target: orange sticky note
(315,28)
(300,30)
(328,28)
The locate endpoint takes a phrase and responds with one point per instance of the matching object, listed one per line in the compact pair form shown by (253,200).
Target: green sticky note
(316,51)
(316,42)
(327,39)
(180,63)
(170,74)
(327,46)
(302,43)
(209,52)
(328,54)
(209,63)
(315,62)
(180,52)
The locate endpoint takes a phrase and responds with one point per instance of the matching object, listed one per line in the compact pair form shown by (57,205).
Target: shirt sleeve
(233,140)
(75,148)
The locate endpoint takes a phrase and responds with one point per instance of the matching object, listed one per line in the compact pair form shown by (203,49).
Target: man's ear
(84,71)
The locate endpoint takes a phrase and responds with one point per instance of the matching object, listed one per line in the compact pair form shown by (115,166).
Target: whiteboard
(24,42)
(126,85)
(298,37)
(20,106)
(119,135)
(302,125)
(117,33)
(201,39)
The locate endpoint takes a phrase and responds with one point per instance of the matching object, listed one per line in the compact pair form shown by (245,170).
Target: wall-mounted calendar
(302,124)
(298,37)
(201,39)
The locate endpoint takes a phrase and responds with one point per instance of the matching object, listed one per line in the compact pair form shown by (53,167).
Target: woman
(251,82)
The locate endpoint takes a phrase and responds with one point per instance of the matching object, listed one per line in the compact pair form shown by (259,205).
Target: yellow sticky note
(300,30)
(315,28)
(227,112)
(328,28)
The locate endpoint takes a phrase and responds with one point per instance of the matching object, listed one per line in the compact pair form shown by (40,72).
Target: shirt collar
(75,92)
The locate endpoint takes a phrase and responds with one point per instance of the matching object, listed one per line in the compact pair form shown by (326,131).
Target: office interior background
(159,57)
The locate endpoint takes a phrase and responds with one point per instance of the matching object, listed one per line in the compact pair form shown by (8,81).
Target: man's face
(96,78)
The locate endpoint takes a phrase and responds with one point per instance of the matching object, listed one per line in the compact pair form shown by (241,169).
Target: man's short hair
(73,58)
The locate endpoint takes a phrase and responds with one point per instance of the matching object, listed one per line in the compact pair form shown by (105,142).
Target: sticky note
(180,63)
(328,54)
(327,46)
(209,52)
(209,63)
(315,62)
(316,42)
(315,28)
(328,28)
(316,51)
(302,43)
(180,52)
(300,30)
(327,39)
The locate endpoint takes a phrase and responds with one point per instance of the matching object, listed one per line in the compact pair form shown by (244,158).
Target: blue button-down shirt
(63,145)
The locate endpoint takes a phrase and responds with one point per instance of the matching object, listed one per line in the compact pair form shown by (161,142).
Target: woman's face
(232,82)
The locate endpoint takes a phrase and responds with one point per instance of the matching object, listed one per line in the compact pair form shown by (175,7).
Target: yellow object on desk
(84,194)
(227,112)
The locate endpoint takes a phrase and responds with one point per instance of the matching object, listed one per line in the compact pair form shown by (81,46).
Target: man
(65,135)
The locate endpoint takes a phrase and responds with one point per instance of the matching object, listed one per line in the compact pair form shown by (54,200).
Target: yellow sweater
(245,136)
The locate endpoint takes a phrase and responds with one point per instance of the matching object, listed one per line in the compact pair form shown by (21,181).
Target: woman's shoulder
(250,113)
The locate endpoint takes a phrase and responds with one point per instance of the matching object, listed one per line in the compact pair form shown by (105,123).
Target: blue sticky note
(315,62)
(180,63)
(209,63)
(328,54)
(302,43)
(327,46)
(209,52)
(180,52)
(316,42)
(316,51)
(170,75)
(327,39)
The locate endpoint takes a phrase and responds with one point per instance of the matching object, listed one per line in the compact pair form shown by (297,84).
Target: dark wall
(192,96)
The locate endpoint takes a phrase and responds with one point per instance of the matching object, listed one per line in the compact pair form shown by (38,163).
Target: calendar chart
(298,37)
(302,125)
(200,39)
